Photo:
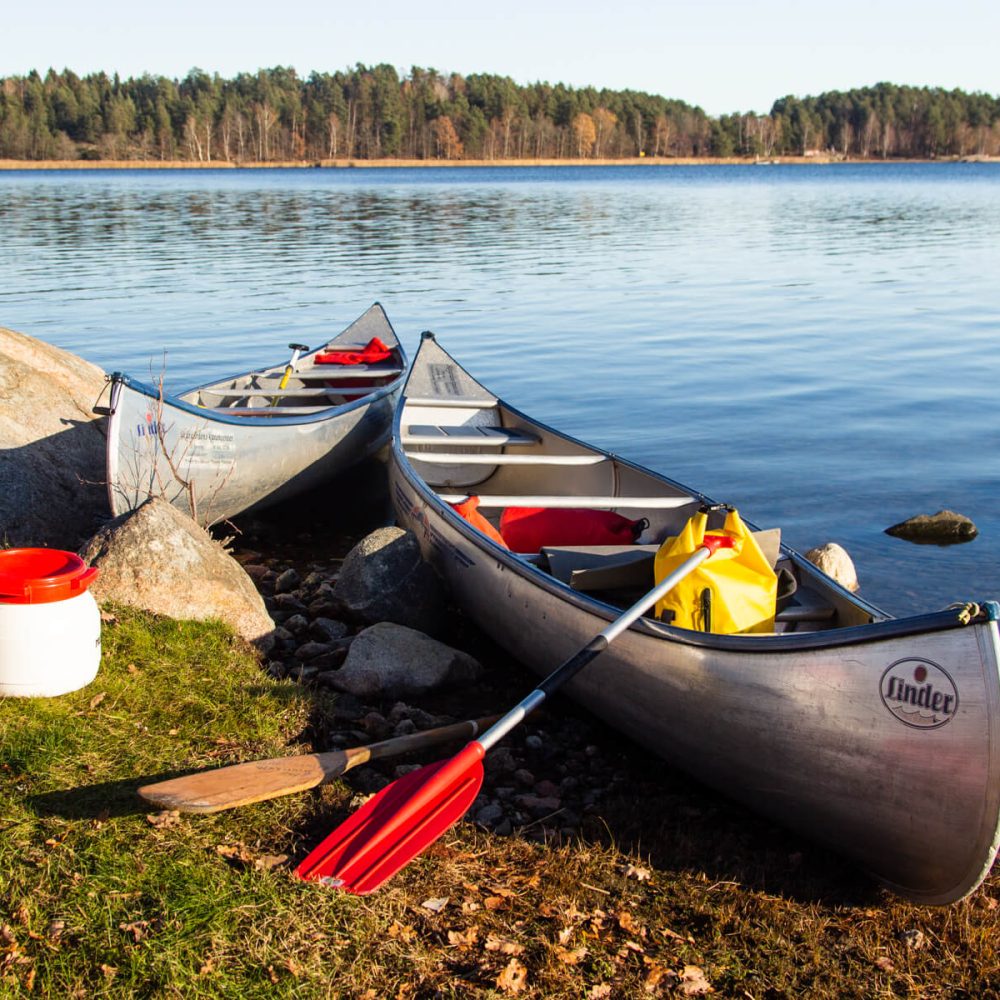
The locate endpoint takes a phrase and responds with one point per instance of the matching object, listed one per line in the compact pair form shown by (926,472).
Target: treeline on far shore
(273,115)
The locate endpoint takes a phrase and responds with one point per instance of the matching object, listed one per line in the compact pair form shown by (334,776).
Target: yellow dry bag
(733,591)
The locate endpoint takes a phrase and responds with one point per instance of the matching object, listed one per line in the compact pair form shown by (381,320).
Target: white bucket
(50,626)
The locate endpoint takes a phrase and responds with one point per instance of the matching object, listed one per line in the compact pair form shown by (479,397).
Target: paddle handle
(600,642)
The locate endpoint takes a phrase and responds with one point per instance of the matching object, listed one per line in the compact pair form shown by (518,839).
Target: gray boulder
(834,561)
(51,445)
(385,579)
(943,528)
(156,558)
(393,661)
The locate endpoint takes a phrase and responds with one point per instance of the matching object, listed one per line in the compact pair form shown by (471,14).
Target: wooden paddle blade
(241,784)
(395,825)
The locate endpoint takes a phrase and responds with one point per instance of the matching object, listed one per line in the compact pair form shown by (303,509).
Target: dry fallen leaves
(693,982)
(514,978)
(436,903)
(568,957)
(496,943)
(463,939)
(639,874)
(168,817)
(402,932)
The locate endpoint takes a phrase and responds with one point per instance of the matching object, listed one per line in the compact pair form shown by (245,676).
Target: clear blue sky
(723,55)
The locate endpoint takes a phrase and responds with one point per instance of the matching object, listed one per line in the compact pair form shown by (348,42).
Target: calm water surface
(814,344)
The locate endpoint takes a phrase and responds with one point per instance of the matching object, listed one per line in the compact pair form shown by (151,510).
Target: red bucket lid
(39,576)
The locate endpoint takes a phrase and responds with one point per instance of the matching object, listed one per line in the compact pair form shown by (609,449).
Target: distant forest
(372,113)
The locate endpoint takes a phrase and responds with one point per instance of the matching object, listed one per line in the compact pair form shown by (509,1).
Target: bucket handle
(85,579)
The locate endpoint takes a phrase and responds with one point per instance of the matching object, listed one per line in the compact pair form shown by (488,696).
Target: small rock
(384,579)
(534,742)
(325,629)
(296,624)
(390,660)
(501,759)
(310,650)
(330,660)
(943,528)
(287,582)
(376,725)
(288,602)
(489,815)
(913,939)
(524,777)
(404,727)
(836,563)
(257,572)
(539,806)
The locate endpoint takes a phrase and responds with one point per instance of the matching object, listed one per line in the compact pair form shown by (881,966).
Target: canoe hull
(803,738)
(213,469)
(878,737)
(254,439)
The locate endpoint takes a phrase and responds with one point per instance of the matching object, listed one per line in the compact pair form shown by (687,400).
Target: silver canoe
(253,439)
(876,736)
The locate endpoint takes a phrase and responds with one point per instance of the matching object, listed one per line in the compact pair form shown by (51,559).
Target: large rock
(943,528)
(51,445)
(393,661)
(156,558)
(833,560)
(385,579)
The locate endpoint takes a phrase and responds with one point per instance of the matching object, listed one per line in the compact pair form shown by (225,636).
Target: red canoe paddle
(395,825)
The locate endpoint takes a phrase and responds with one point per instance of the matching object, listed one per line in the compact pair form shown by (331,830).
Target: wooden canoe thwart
(876,736)
(258,438)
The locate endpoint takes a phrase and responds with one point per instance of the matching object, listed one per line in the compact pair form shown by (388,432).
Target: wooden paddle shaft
(254,781)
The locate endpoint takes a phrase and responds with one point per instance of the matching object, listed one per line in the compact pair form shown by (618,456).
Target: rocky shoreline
(548,778)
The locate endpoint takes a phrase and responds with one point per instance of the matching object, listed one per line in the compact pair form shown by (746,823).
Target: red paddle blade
(393,827)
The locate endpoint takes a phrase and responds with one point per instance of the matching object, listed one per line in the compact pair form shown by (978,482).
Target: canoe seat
(496,458)
(806,606)
(269,411)
(337,373)
(609,567)
(602,503)
(454,402)
(468,436)
(245,391)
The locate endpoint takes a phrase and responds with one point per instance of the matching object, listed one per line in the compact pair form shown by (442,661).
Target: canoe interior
(472,443)
(312,385)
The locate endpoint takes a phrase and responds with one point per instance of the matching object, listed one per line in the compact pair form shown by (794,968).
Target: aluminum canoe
(873,735)
(253,439)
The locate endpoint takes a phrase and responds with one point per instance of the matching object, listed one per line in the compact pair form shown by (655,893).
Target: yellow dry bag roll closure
(734,591)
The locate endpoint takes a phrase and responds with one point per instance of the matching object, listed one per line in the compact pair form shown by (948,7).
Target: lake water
(817,345)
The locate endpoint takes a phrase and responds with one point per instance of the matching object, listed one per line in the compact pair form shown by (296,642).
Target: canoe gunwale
(221,417)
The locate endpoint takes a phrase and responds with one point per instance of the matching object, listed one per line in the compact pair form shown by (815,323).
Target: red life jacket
(374,351)
(468,510)
(527,529)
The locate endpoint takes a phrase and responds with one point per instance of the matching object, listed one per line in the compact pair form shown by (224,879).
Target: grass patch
(672,891)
